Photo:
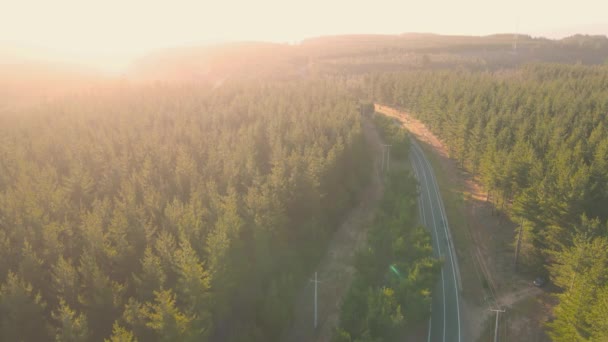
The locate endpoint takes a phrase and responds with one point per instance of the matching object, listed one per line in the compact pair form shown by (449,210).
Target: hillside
(25,78)
(216,63)
(353,54)
(25,82)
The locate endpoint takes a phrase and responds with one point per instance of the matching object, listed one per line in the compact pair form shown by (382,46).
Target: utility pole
(519,238)
(388,157)
(316,283)
(382,164)
(386,160)
(498,311)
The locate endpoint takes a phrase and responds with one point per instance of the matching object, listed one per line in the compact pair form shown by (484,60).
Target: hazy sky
(110,33)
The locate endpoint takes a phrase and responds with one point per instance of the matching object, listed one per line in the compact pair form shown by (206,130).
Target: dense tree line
(537,138)
(396,272)
(170,213)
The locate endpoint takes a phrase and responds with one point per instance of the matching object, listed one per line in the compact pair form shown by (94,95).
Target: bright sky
(110,33)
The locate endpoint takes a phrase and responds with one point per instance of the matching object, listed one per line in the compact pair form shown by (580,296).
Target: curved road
(445,324)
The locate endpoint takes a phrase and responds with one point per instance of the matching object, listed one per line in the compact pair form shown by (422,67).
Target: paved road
(445,324)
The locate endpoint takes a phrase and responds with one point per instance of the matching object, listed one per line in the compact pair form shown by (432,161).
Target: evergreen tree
(72,326)
(22,312)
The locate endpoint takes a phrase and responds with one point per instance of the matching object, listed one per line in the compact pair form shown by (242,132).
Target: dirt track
(336,269)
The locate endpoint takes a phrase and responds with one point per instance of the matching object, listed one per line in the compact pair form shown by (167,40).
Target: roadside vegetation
(536,137)
(391,292)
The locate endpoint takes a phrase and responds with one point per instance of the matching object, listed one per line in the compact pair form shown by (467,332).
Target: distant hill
(215,63)
(24,78)
(362,53)
(588,41)
(25,81)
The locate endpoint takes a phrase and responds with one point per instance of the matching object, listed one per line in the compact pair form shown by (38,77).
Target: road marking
(430,322)
(438,246)
(423,218)
(445,219)
(450,242)
(424,221)
(452,252)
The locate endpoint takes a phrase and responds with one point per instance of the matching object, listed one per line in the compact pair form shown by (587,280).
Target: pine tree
(64,281)
(22,312)
(99,296)
(193,285)
(152,277)
(581,271)
(72,326)
(167,321)
(120,334)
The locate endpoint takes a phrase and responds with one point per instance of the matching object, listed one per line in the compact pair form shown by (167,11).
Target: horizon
(110,36)
(10,52)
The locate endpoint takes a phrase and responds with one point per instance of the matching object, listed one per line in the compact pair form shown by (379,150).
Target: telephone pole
(518,245)
(386,160)
(316,283)
(498,311)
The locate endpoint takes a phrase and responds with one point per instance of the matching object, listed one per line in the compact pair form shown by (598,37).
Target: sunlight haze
(312,170)
(110,34)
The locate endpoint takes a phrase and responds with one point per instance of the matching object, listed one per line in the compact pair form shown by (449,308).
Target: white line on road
(429,334)
(445,227)
(437,241)
(423,219)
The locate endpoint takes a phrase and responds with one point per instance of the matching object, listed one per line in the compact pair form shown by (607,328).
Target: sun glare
(110,34)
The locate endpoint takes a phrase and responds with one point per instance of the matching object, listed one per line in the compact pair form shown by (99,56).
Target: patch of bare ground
(484,246)
(336,270)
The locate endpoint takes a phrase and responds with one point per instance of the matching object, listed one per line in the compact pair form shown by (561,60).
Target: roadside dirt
(484,245)
(336,270)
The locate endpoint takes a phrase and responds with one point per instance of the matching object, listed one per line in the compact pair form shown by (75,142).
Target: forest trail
(336,270)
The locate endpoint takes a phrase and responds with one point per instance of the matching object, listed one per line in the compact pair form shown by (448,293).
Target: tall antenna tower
(515,37)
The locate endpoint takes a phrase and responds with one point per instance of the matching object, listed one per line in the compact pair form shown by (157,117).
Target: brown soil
(484,245)
(336,270)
